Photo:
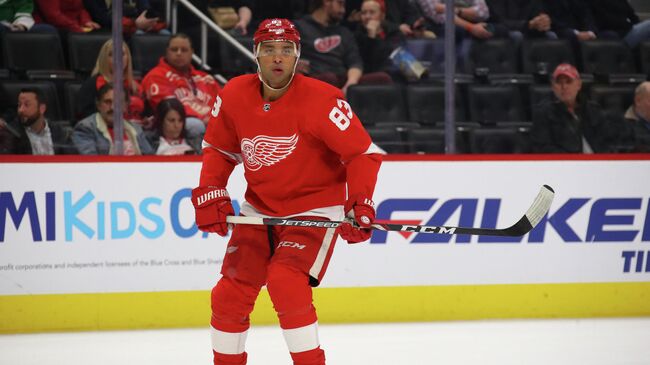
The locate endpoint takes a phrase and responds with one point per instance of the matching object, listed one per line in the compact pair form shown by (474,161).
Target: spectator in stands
(569,123)
(572,19)
(406,15)
(169,138)
(232,14)
(94,134)
(137,16)
(638,115)
(284,9)
(31,133)
(16,16)
(520,18)
(68,15)
(102,74)
(174,76)
(470,17)
(377,37)
(618,17)
(329,51)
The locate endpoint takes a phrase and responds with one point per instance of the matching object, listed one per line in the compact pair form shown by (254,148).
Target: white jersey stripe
(373,148)
(303,338)
(228,343)
(317,267)
(233,156)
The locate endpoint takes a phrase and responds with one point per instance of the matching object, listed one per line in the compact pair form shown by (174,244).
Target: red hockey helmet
(276,29)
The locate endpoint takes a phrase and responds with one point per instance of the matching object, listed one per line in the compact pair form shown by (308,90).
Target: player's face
(277,61)
(179,53)
(370,10)
(566,89)
(172,125)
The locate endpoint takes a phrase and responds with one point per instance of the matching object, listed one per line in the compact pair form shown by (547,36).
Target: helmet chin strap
(259,71)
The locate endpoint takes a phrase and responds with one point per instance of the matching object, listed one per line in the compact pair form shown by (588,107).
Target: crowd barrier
(110,243)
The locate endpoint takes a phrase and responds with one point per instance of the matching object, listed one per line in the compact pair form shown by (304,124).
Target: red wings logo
(266,151)
(326,44)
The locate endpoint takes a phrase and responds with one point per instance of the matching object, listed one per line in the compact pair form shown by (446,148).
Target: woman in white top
(170,136)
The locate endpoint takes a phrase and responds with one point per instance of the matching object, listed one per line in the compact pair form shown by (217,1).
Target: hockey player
(301,146)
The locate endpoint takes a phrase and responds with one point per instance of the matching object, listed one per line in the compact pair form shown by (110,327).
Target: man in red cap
(572,124)
(302,148)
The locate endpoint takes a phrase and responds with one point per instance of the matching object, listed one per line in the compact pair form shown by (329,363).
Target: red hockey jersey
(298,151)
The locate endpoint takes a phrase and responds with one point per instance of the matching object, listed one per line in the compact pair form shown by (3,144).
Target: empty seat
(540,94)
(497,56)
(378,103)
(496,104)
(11,89)
(146,50)
(613,99)
(70,93)
(541,56)
(388,139)
(427,140)
(644,55)
(609,59)
(83,49)
(32,51)
(499,140)
(426,104)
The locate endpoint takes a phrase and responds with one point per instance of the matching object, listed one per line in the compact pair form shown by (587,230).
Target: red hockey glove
(212,205)
(363,212)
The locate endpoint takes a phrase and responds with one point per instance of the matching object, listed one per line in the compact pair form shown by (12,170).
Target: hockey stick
(534,215)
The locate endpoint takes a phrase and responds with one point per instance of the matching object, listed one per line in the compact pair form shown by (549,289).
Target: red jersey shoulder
(240,85)
(317,89)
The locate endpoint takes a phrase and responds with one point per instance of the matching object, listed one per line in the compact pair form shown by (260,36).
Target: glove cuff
(203,196)
(358,199)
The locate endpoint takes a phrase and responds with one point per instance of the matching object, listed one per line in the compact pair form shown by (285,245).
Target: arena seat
(614,99)
(378,103)
(32,51)
(611,60)
(388,139)
(490,104)
(498,140)
(70,92)
(146,50)
(539,56)
(496,60)
(426,104)
(427,140)
(83,49)
(11,89)
(644,58)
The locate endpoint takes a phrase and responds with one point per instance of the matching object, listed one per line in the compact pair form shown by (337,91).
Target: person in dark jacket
(571,19)
(571,124)
(618,17)
(377,37)
(30,133)
(520,19)
(329,51)
(638,115)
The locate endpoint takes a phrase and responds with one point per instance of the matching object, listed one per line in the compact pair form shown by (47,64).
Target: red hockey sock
(311,357)
(223,359)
